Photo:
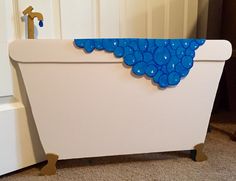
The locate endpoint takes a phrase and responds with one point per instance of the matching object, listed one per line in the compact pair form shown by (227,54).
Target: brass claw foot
(197,154)
(50,168)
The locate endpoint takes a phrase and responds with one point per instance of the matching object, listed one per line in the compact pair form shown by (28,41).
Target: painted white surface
(19,146)
(5,72)
(125,110)
(65,19)
(78,18)
(65,51)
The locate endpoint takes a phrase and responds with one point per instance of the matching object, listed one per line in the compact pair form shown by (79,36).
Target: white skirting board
(19,143)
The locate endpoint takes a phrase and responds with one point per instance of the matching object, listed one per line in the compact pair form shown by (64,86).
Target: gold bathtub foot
(50,168)
(197,154)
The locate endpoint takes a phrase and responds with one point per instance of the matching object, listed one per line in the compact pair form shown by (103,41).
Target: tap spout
(31,15)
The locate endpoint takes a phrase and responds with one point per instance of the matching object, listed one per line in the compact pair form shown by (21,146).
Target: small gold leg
(50,168)
(197,153)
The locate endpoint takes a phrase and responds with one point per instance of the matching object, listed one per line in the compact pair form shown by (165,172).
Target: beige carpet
(221,165)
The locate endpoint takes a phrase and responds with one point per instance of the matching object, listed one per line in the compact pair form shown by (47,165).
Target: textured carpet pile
(220,166)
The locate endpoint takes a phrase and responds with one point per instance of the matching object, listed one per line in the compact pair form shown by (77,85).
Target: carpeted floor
(220,166)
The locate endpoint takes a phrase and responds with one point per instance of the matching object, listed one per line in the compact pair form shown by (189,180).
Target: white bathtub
(88,105)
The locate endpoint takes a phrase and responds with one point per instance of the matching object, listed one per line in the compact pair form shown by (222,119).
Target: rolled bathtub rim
(64,51)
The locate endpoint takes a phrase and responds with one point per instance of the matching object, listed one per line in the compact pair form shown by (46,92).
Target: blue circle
(190,52)
(89,46)
(175,59)
(180,52)
(186,42)
(119,52)
(171,50)
(134,44)
(175,44)
(151,45)
(129,60)
(161,42)
(194,45)
(161,56)
(147,57)
(170,66)
(138,56)
(173,78)
(139,68)
(163,81)
(200,41)
(151,70)
(98,44)
(128,50)
(187,62)
(143,44)
(181,70)
(157,76)
(110,44)
(123,42)
(164,69)
(80,42)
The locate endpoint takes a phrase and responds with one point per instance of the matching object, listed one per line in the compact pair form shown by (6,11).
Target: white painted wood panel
(78,18)
(128,18)
(176,18)
(135,19)
(20,145)
(109,18)
(190,18)
(5,72)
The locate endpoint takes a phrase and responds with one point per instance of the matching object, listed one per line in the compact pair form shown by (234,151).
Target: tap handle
(27,10)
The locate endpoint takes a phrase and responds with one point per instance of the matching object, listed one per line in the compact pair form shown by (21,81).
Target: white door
(68,19)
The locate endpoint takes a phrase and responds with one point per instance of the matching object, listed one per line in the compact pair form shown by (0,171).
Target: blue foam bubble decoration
(173,78)
(165,61)
(161,56)
(128,50)
(110,44)
(138,56)
(187,62)
(142,44)
(194,45)
(139,68)
(163,81)
(129,60)
(89,46)
(147,57)
(98,44)
(119,52)
(151,70)
(157,76)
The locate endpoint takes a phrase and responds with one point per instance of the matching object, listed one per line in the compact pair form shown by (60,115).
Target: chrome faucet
(31,16)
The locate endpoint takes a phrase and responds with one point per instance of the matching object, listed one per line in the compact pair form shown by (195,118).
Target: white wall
(5,72)
(128,18)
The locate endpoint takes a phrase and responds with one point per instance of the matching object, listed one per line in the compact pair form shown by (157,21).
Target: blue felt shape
(41,23)
(165,61)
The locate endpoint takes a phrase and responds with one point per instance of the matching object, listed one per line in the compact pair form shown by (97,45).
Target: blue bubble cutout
(165,61)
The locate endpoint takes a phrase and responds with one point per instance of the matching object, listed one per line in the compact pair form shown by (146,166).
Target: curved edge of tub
(216,50)
(64,51)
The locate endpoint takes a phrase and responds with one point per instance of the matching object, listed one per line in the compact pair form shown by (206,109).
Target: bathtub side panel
(87,110)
